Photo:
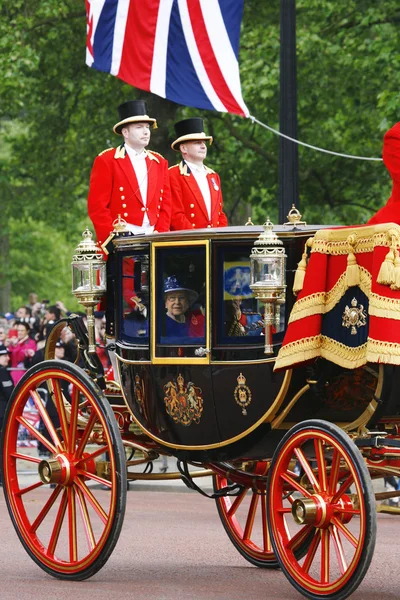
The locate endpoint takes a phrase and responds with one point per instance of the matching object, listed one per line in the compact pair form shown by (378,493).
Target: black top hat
(3,350)
(189,129)
(133,111)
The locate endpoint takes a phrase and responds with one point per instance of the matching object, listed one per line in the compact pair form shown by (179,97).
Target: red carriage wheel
(320,470)
(244,518)
(80,478)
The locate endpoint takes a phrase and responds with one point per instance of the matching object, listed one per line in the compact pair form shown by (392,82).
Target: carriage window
(240,315)
(135,298)
(180,298)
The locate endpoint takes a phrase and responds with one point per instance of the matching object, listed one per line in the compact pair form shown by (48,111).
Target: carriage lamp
(268,277)
(88,279)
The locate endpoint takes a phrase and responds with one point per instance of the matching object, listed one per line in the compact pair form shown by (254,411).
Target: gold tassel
(352,271)
(396,273)
(386,272)
(301,269)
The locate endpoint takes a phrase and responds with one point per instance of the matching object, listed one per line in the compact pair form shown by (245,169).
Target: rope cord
(254,120)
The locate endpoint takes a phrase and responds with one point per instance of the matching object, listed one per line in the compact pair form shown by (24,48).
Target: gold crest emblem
(183,403)
(242,394)
(354,317)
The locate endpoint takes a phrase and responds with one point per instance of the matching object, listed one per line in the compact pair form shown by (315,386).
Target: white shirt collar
(193,167)
(133,155)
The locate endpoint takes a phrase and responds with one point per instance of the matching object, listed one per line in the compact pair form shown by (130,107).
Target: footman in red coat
(195,189)
(129,180)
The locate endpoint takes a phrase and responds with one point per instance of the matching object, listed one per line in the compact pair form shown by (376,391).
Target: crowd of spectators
(23,336)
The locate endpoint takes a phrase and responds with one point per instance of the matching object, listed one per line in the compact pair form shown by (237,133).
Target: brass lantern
(268,277)
(88,279)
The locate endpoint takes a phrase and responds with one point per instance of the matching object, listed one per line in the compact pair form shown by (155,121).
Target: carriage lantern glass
(268,277)
(88,278)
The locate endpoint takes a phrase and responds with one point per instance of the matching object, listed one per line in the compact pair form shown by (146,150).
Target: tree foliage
(56,115)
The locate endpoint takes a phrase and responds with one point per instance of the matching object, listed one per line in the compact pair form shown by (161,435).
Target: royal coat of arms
(242,393)
(184,403)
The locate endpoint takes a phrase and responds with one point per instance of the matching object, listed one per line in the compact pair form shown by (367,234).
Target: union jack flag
(183,50)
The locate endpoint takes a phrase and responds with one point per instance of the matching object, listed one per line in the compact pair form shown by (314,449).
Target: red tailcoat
(114,190)
(390,213)
(188,207)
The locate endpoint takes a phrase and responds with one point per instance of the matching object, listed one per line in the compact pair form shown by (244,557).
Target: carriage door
(180,339)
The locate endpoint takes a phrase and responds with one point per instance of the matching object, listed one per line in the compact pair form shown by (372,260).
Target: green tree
(56,115)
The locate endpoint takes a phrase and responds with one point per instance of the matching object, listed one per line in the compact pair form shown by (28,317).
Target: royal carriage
(296,445)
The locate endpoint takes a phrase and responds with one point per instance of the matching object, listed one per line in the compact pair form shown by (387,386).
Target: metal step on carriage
(293,452)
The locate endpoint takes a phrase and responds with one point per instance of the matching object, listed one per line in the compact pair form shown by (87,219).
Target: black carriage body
(220,404)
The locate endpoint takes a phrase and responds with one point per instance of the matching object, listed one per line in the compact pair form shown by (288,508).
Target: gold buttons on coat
(208,225)
(143,209)
(192,206)
(159,206)
(124,206)
(121,189)
(122,197)
(158,215)
(193,225)
(161,191)
(125,214)
(192,215)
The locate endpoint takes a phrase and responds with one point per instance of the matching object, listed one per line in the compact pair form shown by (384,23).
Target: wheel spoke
(30,488)
(93,455)
(334,474)
(297,486)
(73,419)
(85,436)
(92,500)
(250,516)
(45,509)
(73,542)
(94,477)
(352,539)
(321,463)
(86,520)
(44,415)
(343,488)
(237,502)
(337,543)
(325,555)
(58,398)
(307,469)
(311,551)
(300,537)
(264,523)
(36,434)
(26,457)
(58,523)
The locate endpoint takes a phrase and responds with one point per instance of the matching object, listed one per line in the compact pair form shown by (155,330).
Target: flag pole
(288,151)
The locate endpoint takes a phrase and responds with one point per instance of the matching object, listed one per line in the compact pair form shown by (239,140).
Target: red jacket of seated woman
(390,213)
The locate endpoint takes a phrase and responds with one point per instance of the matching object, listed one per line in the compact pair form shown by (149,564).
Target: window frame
(186,360)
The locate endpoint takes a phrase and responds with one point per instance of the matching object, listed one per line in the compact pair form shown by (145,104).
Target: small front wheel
(319,486)
(61,447)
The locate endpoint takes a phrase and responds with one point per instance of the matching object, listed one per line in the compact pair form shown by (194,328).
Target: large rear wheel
(319,486)
(61,446)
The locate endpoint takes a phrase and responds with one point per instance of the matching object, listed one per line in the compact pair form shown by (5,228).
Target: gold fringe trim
(383,352)
(298,352)
(313,304)
(396,272)
(341,287)
(301,268)
(386,308)
(323,302)
(325,347)
(334,241)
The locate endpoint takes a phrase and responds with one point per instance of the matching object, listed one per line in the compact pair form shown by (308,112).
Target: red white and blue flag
(183,50)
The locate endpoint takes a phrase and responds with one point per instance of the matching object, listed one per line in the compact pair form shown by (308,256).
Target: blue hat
(172,284)
(9,316)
